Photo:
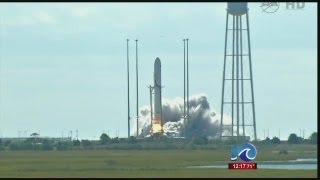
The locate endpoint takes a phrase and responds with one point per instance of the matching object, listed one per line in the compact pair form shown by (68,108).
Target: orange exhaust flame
(156,126)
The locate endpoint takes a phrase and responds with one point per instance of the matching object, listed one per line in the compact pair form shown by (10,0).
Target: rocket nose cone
(157,61)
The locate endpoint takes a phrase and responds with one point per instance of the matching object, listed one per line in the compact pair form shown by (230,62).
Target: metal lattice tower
(237,76)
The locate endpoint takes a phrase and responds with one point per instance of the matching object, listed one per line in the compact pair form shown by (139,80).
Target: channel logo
(247,152)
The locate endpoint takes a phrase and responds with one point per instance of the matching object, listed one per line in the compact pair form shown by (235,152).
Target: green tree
(115,140)
(1,145)
(13,146)
(21,146)
(275,140)
(76,143)
(85,143)
(34,137)
(132,140)
(200,139)
(104,139)
(64,145)
(46,145)
(7,143)
(293,139)
(266,141)
(314,138)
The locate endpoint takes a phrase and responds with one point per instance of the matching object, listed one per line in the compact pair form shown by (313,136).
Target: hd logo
(247,152)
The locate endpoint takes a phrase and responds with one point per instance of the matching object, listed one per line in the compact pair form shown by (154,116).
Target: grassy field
(144,163)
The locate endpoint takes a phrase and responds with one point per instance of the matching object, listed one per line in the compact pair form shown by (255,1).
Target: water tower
(237,82)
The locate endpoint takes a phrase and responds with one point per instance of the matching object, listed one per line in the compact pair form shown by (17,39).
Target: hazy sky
(63,65)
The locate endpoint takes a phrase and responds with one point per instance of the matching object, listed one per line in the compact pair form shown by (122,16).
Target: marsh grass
(144,163)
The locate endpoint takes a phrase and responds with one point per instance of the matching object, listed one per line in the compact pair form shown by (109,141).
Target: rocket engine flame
(156,127)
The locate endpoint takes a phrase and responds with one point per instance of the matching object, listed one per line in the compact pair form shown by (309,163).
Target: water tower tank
(237,9)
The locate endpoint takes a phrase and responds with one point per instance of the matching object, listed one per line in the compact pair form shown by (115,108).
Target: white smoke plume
(202,119)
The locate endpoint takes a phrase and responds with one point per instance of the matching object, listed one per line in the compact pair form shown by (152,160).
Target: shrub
(63,145)
(86,143)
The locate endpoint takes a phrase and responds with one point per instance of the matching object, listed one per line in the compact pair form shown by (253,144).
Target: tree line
(154,142)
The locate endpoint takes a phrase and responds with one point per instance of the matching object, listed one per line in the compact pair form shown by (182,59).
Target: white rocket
(157,121)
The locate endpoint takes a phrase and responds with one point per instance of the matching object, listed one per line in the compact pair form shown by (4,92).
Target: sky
(63,65)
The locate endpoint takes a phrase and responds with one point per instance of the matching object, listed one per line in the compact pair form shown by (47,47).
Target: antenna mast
(128,88)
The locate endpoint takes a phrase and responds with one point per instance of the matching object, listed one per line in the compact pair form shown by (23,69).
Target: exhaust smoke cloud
(202,121)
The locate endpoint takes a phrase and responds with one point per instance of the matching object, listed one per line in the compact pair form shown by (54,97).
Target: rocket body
(157,121)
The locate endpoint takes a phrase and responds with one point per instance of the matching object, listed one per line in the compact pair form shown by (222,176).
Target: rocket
(157,121)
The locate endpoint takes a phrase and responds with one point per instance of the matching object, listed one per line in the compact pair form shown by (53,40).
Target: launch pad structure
(237,78)
(156,92)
